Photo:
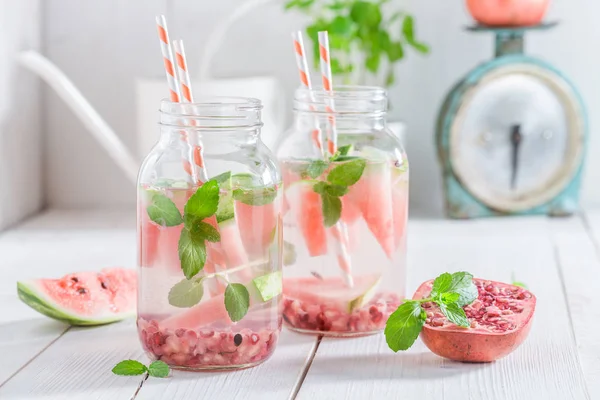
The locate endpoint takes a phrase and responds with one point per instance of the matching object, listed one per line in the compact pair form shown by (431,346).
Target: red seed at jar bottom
(329,318)
(206,348)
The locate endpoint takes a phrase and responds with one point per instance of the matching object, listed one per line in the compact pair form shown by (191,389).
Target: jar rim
(236,103)
(344,99)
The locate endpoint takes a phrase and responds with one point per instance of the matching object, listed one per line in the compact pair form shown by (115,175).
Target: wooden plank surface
(546,366)
(558,259)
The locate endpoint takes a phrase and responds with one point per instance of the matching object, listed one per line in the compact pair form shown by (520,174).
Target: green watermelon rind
(40,303)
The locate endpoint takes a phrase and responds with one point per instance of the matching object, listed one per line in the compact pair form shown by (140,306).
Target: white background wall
(20,135)
(104,45)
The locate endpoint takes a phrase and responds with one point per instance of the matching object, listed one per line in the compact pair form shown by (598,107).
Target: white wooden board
(557,258)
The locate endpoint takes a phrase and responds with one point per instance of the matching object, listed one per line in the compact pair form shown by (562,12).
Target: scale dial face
(517,138)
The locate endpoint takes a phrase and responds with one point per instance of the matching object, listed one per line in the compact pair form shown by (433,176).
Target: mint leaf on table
(186,293)
(163,211)
(192,253)
(332,209)
(455,314)
(129,368)
(348,173)
(404,325)
(237,301)
(204,202)
(158,369)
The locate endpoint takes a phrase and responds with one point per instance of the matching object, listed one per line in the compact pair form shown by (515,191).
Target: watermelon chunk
(399,204)
(83,298)
(372,195)
(332,291)
(308,210)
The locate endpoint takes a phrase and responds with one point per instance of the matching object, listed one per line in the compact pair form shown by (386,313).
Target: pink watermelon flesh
(400,211)
(372,195)
(329,290)
(309,217)
(257,225)
(84,298)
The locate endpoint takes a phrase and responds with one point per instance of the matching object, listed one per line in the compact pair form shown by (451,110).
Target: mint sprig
(450,292)
(157,369)
(163,211)
(237,301)
(339,180)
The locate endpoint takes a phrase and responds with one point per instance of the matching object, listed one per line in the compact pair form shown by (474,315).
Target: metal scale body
(511,136)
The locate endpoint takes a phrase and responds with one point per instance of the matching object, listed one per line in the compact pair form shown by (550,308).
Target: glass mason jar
(345,213)
(209,290)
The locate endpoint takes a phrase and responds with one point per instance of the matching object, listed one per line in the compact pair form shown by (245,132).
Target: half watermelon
(83,298)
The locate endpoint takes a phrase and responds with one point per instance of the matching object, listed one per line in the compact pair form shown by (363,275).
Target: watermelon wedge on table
(307,207)
(332,291)
(372,195)
(83,298)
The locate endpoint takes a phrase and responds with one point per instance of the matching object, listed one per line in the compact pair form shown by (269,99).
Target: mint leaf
(404,325)
(336,190)
(192,253)
(163,211)
(204,202)
(520,284)
(158,369)
(332,209)
(255,197)
(206,231)
(316,168)
(129,368)
(348,173)
(319,187)
(186,293)
(458,282)
(455,314)
(449,297)
(344,150)
(222,178)
(237,301)
(289,253)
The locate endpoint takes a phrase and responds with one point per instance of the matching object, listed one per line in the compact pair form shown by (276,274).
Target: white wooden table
(557,258)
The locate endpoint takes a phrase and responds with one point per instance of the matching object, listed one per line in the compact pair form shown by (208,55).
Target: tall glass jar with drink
(345,213)
(210,244)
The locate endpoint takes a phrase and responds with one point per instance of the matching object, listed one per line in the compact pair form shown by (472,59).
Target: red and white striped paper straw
(326,76)
(302,63)
(187,96)
(173,82)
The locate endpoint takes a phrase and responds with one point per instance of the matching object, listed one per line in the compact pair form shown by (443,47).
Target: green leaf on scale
(404,325)
(158,369)
(455,314)
(332,209)
(237,301)
(348,173)
(192,253)
(186,293)
(163,211)
(205,202)
(129,368)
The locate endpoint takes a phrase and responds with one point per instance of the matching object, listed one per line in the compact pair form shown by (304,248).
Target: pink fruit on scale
(83,298)
(372,195)
(500,321)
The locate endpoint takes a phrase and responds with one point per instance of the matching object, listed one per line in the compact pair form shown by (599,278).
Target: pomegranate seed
(437,322)
(180,332)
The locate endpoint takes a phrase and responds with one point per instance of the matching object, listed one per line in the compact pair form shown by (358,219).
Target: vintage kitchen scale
(511,136)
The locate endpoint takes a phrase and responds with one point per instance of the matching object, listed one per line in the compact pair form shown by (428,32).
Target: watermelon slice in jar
(400,201)
(83,298)
(372,195)
(308,210)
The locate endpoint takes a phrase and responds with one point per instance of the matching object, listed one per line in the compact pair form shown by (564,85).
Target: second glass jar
(345,213)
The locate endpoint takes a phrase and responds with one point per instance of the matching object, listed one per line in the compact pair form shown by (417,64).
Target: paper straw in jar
(173,83)
(187,96)
(326,76)
(302,63)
